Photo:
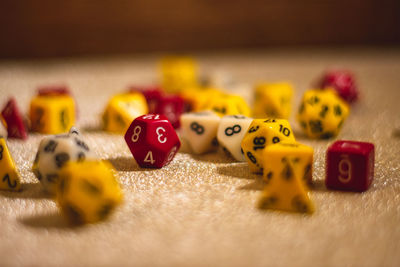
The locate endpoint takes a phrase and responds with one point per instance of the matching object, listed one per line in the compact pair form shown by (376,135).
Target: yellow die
(52,114)
(88,191)
(273,100)
(227,104)
(322,113)
(10,178)
(287,170)
(198,97)
(178,73)
(261,133)
(121,110)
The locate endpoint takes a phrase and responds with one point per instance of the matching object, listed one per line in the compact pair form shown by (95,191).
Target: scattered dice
(261,133)
(178,73)
(54,152)
(52,114)
(350,165)
(273,100)
(88,191)
(152,94)
(231,131)
(152,141)
(14,121)
(121,110)
(200,130)
(227,104)
(343,82)
(322,113)
(171,107)
(10,178)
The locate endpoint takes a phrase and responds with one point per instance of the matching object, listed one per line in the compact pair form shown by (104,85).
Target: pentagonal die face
(152,140)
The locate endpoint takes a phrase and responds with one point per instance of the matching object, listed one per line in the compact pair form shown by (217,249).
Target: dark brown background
(88,27)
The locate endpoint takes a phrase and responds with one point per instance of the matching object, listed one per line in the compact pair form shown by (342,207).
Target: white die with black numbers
(231,131)
(54,152)
(200,130)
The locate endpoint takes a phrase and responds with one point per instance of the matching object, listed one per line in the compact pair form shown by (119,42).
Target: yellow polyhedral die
(121,110)
(287,173)
(88,191)
(322,113)
(273,100)
(10,178)
(52,114)
(262,133)
(227,104)
(178,73)
(197,98)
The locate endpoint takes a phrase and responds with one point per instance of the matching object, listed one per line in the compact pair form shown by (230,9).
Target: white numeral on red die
(149,157)
(159,132)
(151,117)
(345,169)
(172,154)
(136,133)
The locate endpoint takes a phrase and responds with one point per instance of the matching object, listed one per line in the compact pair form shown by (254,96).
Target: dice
(52,114)
(152,141)
(350,166)
(227,104)
(343,82)
(9,175)
(322,113)
(200,131)
(14,121)
(121,110)
(261,133)
(273,100)
(178,73)
(54,152)
(171,106)
(152,94)
(196,98)
(88,191)
(231,131)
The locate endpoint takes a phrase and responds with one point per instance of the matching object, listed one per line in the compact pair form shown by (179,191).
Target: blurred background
(47,28)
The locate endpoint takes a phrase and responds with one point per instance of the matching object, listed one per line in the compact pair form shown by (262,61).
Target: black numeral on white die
(197,128)
(233,130)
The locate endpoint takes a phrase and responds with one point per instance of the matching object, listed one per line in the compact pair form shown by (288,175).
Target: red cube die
(152,94)
(343,82)
(350,166)
(152,141)
(14,120)
(53,90)
(172,107)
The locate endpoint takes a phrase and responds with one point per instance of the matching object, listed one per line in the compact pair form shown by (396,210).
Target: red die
(171,107)
(14,120)
(343,82)
(53,90)
(350,165)
(152,141)
(152,94)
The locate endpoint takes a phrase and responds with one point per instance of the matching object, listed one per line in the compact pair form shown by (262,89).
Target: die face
(273,100)
(322,113)
(14,121)
(200,130)
(152,140)
(10,178)
(52,114)
(53,153)
(350,166)
(88,191)
(230,133)
(261,133)
(227,105)
(178,73)
(344,84)
(171,107)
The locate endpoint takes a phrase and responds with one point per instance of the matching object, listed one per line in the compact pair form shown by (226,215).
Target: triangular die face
(9,177)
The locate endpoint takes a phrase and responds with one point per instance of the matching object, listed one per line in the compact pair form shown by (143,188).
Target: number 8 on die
(152,141)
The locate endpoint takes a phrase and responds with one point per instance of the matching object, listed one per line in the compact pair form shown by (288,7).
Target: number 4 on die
(350,166)
(152,141)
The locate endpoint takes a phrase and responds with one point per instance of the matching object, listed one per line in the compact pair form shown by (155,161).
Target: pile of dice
(155,122)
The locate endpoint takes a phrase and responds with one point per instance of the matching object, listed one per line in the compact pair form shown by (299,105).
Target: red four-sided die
(343,82)
(152,141)
(14,120)
(152,94)
(171,107)
(350,165)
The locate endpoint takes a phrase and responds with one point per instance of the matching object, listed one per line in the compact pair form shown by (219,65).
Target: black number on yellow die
(284,130)
(251,157)
(1,152)
(10,184)
(64,119)
(253,129)
(259,143)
